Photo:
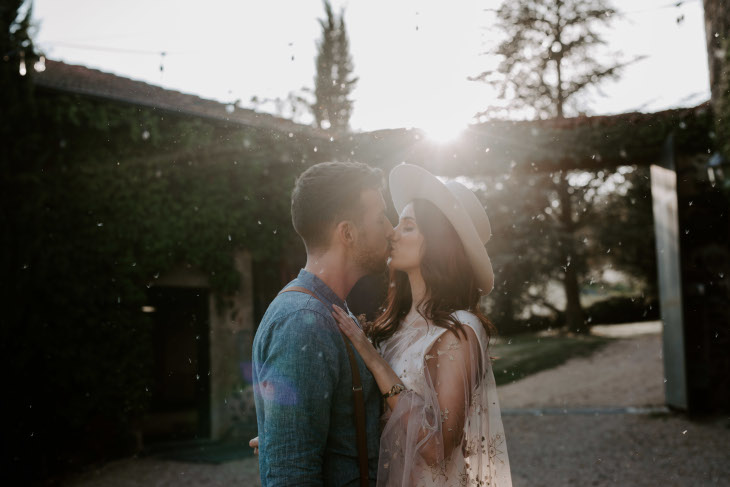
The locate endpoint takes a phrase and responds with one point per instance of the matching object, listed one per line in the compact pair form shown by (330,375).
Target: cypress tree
(334,80)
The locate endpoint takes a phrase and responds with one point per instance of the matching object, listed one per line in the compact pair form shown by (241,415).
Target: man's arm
(297,378)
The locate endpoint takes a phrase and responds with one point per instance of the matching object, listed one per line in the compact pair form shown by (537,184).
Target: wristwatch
(395,390)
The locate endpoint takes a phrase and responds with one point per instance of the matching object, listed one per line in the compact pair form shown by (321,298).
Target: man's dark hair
(326,194)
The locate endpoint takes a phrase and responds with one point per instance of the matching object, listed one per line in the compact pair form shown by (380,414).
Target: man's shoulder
(295,305)
(296,316)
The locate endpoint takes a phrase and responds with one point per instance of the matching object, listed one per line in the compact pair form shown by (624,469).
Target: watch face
(396,389)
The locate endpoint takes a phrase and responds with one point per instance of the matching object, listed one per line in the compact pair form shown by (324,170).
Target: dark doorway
(180,405)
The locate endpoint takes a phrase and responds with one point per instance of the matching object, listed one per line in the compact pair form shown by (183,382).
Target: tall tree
(334,80)
(548,56)
(547,60)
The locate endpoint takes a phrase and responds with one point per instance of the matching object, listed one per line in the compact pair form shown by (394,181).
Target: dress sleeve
(425,429)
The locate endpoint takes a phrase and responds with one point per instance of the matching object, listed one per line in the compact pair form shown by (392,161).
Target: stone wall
(232,329)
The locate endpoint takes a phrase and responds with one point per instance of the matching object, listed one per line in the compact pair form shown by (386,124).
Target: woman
(442,425)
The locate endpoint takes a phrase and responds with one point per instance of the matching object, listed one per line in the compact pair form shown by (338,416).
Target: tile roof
(91,82)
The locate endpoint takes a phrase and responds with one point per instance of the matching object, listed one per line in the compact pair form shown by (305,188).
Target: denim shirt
(303,392)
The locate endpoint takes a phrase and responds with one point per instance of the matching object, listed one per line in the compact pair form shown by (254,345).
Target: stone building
(201,341)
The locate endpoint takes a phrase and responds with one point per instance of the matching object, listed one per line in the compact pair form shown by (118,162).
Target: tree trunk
(574,319)
(559,101)
(717,31)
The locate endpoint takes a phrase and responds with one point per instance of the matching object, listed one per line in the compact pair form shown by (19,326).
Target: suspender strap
(358,399)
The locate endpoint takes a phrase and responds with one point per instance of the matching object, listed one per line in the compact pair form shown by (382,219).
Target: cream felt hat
(460,206)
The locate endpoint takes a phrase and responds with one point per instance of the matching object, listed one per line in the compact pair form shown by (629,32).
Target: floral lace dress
(447,428)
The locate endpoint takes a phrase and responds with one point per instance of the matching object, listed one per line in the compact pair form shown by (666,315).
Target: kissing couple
(411,398)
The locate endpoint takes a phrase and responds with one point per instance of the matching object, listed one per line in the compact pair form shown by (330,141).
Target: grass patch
(523,355)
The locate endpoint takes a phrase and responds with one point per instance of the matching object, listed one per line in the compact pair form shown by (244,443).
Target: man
(301,370)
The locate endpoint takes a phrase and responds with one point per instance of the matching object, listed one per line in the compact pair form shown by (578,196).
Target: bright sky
(412,56)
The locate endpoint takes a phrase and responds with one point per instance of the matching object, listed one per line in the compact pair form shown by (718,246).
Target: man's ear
(345,233)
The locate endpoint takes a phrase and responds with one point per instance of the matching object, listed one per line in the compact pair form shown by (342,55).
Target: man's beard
(370,261)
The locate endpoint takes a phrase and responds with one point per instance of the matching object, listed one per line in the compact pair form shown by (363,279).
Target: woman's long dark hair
(450,281)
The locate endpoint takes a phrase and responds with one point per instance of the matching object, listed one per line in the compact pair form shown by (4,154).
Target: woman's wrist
(379,367)
(384,375)
(371,357)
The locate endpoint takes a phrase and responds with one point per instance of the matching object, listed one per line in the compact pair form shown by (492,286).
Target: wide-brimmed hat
(460,206)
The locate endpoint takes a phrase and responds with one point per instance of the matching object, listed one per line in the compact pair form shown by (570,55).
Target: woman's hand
(383,374)
(356,336)
(254,443)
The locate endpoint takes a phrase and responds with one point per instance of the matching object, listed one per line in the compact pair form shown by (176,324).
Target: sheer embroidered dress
(447,427)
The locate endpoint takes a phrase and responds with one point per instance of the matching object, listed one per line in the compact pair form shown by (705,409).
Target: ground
(593,421)
(626,372)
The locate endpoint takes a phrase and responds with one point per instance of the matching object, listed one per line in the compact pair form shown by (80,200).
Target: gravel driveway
(626,372)
(573,433)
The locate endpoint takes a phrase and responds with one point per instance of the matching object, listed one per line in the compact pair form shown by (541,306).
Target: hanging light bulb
(23,71)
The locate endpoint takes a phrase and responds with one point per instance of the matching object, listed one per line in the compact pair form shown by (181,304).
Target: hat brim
(408,182)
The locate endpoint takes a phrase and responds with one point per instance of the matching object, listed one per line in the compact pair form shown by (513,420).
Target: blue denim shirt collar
(314,283)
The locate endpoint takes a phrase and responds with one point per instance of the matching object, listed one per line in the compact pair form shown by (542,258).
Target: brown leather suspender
(357,398)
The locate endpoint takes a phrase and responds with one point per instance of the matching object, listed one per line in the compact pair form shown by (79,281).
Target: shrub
(622,309)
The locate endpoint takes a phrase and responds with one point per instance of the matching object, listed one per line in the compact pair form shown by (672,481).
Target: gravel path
(149,472)
(626,372)
(618,450)
(549,450)
(545,451)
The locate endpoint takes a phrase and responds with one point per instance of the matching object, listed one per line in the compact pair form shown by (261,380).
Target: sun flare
(443,131)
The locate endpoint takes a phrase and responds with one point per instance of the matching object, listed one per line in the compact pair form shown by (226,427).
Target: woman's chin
(394,265)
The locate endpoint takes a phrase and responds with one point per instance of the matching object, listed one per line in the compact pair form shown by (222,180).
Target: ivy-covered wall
(120,195)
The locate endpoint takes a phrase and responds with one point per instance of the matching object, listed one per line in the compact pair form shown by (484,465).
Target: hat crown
(473,207)
(458,204)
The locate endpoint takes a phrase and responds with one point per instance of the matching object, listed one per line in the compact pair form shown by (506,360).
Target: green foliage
(530,245)
(623,309)
(522,244)
(334,80)
(16,46)
(122,195)
(625,239)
